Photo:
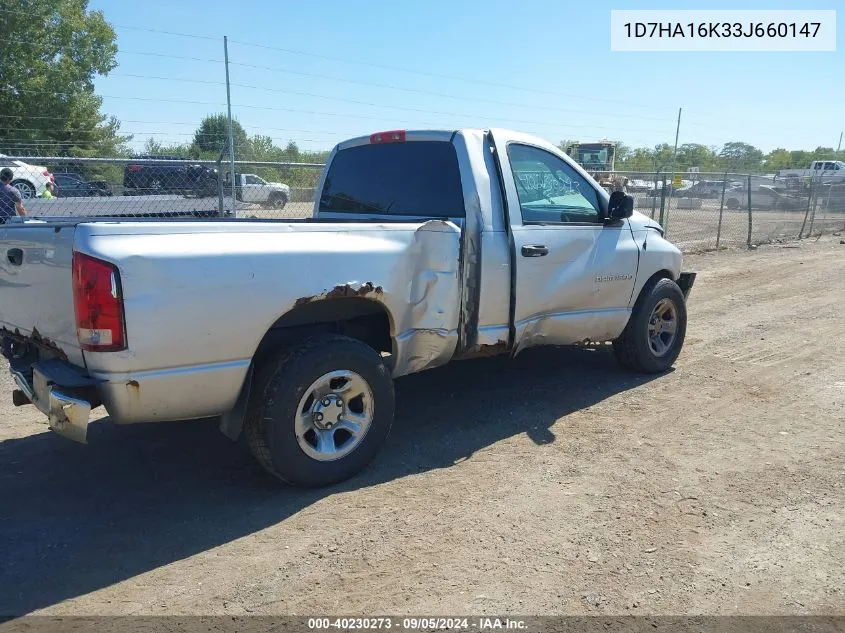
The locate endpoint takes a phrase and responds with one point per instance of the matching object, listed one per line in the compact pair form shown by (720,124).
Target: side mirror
(621,206)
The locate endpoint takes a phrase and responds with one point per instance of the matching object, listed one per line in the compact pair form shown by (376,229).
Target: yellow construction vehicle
(599,161)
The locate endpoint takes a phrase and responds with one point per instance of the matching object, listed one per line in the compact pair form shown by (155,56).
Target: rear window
(418,178)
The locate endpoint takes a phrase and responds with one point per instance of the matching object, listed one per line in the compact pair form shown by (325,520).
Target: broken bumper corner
(66,415)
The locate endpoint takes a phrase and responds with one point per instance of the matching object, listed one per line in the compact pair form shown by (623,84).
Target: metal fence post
(220,210)
(721,210)
(654,197)
(748,241)
(231,142)
(662,201)
(813,214)
(665,223)
(807,212)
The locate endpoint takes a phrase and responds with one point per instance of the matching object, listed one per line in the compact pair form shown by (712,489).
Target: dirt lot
(555,484)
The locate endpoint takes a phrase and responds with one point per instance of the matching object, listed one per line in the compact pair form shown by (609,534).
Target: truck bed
(199,296)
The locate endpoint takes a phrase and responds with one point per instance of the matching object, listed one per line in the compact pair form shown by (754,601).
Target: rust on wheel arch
(344,291)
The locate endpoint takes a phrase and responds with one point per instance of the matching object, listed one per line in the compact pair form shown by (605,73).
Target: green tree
(213,133)
(638,159)
(260,147)
(292,152)
(155,148)
(741,156)
(564,145)
(50,53)
(696,155)
(778,159)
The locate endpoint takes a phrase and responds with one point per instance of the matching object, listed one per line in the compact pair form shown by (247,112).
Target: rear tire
(654,336)
(285,426)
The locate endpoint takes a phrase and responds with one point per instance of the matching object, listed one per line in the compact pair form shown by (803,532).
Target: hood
(640,222)
(278,185)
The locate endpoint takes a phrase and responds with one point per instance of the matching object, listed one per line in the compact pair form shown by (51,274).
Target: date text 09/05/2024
(413,624)
(722,29)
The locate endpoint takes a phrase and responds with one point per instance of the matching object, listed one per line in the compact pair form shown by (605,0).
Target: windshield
(594,159)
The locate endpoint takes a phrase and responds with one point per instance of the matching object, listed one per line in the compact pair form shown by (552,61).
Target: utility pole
(674,156)
(229,106)
(838,147)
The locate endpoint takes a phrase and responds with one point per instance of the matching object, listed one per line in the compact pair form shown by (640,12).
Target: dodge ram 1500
(424,247)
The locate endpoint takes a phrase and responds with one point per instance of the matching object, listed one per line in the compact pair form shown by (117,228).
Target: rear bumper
(60,392)
(685,282)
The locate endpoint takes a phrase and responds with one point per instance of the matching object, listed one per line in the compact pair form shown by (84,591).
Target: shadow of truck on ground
(74,518)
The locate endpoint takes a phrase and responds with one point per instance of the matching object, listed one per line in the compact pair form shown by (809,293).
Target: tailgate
(36,285)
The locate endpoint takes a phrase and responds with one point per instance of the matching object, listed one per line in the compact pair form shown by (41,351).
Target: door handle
(15,256)
(535,250)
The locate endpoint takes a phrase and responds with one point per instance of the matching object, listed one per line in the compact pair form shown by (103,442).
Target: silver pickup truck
(424,247)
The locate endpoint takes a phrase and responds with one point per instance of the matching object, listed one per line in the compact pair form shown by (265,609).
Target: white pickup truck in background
(253,189)
(424,248)
(825,171)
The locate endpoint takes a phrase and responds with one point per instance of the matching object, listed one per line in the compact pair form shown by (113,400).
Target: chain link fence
(162,186)
(701,211)
(707,211)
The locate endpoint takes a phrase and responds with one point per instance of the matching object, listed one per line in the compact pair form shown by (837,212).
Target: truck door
(253,189)
(574,274)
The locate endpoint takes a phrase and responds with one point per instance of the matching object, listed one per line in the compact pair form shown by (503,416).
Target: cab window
(550,191)
(419,178)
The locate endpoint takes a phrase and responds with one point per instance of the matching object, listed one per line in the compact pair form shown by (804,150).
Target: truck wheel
(319,411)
(277,201)
(655,333)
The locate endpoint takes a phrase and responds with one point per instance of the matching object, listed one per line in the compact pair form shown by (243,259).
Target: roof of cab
(408,135)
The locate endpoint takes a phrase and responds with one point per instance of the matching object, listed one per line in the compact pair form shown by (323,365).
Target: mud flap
(685,282)
(232,422)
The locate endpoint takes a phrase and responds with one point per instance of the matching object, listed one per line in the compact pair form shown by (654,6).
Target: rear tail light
(98,304)
(134,168)
(393,136)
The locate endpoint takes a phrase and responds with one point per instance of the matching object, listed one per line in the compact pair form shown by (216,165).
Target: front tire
(654,336)
(276,201)
(320,411)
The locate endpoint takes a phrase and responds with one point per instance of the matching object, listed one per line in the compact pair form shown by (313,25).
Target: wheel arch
(640,288)
(360,318)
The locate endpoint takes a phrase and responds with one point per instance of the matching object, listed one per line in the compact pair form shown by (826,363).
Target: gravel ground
(552,484)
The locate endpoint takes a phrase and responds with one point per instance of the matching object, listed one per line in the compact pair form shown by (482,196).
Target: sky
(321,71)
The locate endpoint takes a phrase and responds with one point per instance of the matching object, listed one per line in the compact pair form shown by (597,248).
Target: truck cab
(829,167)
(533,221)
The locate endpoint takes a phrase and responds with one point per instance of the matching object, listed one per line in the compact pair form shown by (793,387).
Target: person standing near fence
(10,198)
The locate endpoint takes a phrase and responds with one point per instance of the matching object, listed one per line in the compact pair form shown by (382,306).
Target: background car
(703,189)
(30,180)
(72,185)
(144,178)
(764,197)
